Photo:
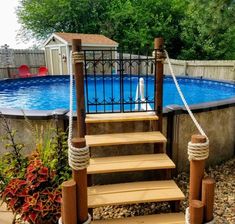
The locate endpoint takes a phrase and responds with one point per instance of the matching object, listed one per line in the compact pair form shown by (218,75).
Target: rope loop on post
(88,221)
(78,157)
(78,57)
(198,151)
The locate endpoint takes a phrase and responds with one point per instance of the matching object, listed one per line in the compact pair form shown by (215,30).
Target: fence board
(216,69)
(16,57)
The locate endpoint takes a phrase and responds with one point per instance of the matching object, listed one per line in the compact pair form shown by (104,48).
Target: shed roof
(87,39)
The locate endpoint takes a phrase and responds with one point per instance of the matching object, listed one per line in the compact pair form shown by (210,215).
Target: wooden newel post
(80,176)
(196,212)
(69,207)
(208,193)
(159,57)
(79,83)
(196,172)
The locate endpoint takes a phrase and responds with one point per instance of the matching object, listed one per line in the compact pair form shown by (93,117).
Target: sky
(9,25)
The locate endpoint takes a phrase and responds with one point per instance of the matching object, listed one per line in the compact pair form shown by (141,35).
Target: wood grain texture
(125,138)
(121,117)
(130,163)
(135,192)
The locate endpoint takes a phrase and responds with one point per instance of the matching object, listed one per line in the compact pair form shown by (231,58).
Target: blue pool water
(52,92)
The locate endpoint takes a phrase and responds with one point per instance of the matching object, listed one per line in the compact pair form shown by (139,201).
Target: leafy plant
(34,198)
(52,149)
(13,163)
(30,184)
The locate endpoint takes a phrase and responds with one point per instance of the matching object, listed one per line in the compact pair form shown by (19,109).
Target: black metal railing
(111,80)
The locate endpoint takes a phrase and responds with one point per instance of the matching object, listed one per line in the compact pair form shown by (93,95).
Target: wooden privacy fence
(214,69)
(11,59)
(222,70)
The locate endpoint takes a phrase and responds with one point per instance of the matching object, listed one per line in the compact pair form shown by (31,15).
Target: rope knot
(198,151)
(78,57)
(79,158)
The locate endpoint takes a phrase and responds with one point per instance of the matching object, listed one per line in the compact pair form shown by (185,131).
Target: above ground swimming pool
(52,92)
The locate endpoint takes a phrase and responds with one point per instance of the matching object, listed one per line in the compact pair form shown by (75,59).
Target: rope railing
(196,151)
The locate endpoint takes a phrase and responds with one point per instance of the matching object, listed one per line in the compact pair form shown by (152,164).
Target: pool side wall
(216,119)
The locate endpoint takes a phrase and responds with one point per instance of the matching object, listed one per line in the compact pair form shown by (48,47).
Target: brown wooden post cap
(158,43)
(76,45)
(68,183)
(208,194)
(198,138)
(79,142)
(68,206)
(196,212)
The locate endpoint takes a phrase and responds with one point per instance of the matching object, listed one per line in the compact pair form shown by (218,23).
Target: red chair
(42,71)
(23,71)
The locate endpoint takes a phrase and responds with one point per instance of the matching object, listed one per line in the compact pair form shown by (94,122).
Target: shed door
(55,59)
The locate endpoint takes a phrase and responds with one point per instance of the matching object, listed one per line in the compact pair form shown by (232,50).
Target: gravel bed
(224,209)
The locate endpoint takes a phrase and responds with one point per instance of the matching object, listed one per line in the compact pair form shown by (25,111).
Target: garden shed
(59,45)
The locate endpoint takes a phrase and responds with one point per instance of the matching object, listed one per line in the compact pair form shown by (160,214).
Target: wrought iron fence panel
(112,81)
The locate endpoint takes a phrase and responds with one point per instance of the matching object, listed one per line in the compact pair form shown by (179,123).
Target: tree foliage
(208,30)
(196,29)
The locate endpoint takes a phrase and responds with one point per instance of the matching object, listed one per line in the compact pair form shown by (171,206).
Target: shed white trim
(55,36)
(68,59)
(60,60)
(55,45)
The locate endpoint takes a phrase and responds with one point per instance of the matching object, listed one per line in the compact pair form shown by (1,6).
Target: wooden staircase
(164,190)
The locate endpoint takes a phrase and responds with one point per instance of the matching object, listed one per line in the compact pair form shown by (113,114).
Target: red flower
(38,207)
(42,179)
(23,193)
(12,202)
(13,186)
(32,200)
(31,177)
(33,216)
(58,199)
(45,191)
(43,171)
(25,207)
(31,168)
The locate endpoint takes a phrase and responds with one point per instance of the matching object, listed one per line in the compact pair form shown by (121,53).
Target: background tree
(208,30)
(196,29)
(135,24)
(43,17)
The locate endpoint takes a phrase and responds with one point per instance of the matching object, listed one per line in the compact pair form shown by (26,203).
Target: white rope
(88,221)
(78,157)
(196,151)
(187,218)
(183,98)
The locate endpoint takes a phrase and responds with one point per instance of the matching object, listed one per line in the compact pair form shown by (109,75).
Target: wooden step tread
(130,163)
(135,192)
(121,117)
(168,218)
(125,138)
